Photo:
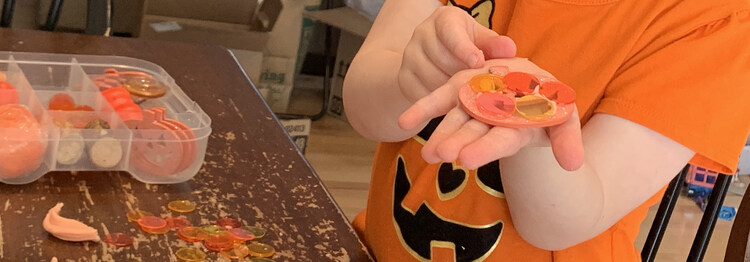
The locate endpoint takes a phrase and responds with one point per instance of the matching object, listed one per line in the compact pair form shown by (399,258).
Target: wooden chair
(737,249)
(98,16)
(708,221)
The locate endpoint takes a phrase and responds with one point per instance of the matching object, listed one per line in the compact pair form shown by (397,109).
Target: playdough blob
(68,229)
(8,93)
(21,141)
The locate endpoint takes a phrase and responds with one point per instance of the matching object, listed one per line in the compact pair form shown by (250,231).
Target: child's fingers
(450,124)
(437,103)
(494,46)
(430,74)
(469,132)
(499,142)
(453,30)
(567,143)
(442,57)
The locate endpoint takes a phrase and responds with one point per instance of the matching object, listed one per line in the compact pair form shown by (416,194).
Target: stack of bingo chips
(228,237)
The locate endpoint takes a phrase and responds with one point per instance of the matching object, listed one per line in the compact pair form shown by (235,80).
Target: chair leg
(53,15)
(708,222)
(98,17)
(325,4)
(7,15)
(656,233)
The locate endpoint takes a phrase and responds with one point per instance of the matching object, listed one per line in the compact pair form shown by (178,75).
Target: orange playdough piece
(8,93)
(62,102)
(22,142)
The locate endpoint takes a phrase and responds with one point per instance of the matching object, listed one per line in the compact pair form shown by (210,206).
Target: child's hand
(473,143)
(446,42)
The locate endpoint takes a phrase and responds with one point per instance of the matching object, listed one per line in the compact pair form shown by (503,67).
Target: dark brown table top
(252,171)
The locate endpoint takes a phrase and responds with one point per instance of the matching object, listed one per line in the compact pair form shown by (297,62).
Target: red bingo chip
(241,234)
(228,222)
(152,222)
(177,223)
(521,82)
(192,234)
(118,239)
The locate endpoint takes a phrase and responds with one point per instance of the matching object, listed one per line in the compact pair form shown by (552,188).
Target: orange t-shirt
(680,68)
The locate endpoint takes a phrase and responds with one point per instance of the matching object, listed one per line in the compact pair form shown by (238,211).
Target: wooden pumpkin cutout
(188,137)
(520,104)
(155,147)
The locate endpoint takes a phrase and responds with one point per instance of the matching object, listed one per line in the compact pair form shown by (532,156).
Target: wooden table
(252,171)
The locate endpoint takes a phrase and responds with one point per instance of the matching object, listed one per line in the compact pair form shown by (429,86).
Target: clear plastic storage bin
(165,144)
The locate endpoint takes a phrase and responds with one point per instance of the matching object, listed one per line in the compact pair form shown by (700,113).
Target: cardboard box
(126,15)
(299,131)
(275,82)
(354,28)
(233,36)
(273,25)
(288,40)
(231,33)
(251,62)
(227,11)
(744,165)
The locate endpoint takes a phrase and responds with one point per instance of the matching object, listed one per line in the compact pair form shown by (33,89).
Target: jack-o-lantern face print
(432,211)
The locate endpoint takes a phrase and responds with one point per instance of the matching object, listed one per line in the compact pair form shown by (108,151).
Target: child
(659,84)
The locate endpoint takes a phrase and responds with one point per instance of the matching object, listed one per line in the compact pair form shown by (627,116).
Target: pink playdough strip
(66,228)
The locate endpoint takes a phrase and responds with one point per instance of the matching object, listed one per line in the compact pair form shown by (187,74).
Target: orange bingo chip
(257,232)
(220,242)
(241,234)
(228,222)
(156,231)
(239,251)
(214,230)
(177,223)
(136,214)
(192,234)
(119,239)
(190,254)
(152,222)
(261,259)
(182,206)
(258,249)
(487,83)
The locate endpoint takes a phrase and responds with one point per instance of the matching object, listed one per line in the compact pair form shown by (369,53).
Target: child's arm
(624,165)
(414,47)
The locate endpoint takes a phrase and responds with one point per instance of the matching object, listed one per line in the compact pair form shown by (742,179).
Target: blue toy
(727,213)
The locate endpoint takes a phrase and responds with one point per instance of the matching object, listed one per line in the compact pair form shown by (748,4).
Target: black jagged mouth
(419,230)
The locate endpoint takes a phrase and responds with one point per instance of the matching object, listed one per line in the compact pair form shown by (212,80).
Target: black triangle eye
(450,179)
(488,177)
(426,132)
